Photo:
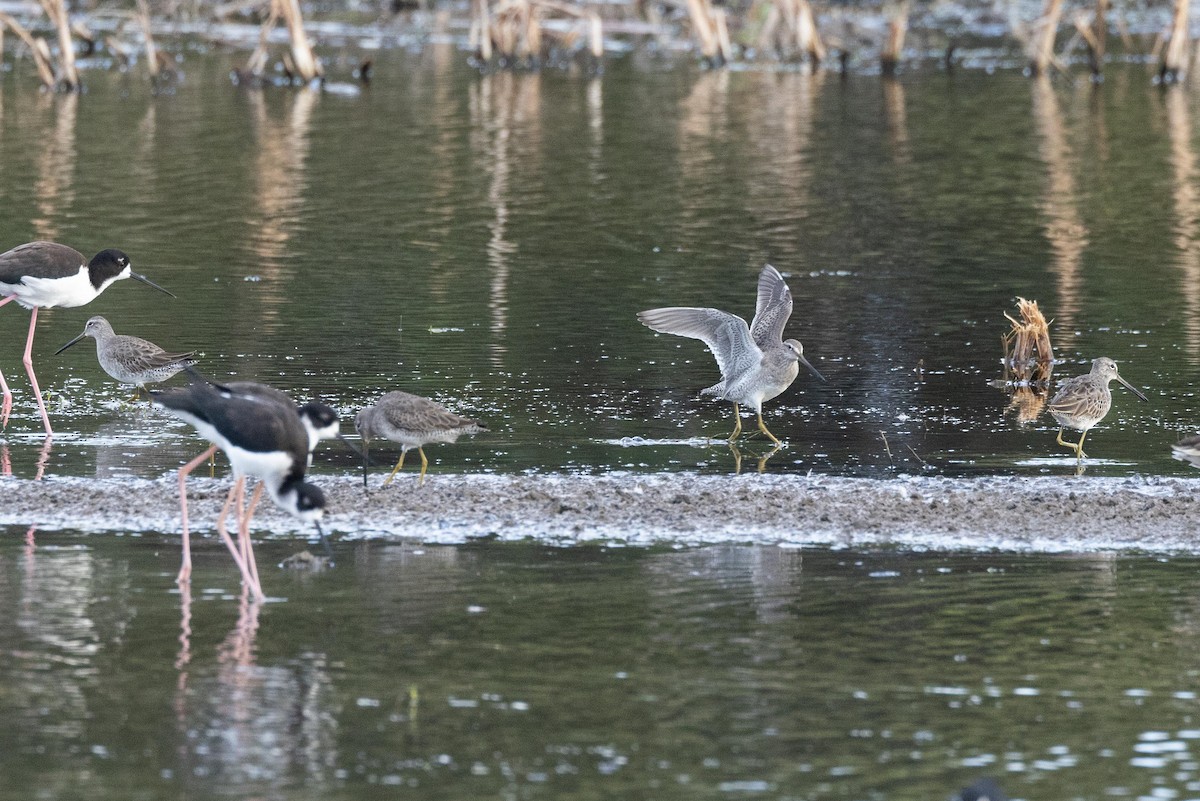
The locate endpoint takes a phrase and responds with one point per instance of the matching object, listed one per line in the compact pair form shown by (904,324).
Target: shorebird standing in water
(263,435)
(130,359)
(47,274)
(756,362)
(413,422)
(1082,401)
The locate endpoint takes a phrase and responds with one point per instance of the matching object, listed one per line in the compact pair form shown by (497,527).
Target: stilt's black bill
(148,282)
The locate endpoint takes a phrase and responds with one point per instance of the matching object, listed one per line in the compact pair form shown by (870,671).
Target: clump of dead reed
(790,31)
(710,26)
(60,76)
(300,63)
(526,32)
(1028,360)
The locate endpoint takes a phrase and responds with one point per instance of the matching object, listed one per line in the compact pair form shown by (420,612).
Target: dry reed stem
(894,44)
(1042,44)
(143,15)
(724,43)
(481,30)
(257,62)
(118,49)
(808,39)
(1099,39)
(1175,57)
(41,59)
(700,12)
(302,53)
(790,30)
(56,11)
(515,29)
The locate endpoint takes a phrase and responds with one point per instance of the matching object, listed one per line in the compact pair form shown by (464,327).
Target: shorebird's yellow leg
(424,465)
(763,428)
(396,469)
(1077,447)
(737,423)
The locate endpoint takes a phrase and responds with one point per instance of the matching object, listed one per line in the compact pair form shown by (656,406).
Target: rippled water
(522,672)
(487,240)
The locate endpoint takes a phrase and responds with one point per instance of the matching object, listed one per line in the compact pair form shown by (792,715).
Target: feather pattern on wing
(773,308)
(727,335)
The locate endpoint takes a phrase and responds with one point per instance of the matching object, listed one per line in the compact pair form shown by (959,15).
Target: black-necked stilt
(47,274)
(130,359)
(262,436)
(413,422)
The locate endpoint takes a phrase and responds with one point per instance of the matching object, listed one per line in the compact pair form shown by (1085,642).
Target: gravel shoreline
(1054,514)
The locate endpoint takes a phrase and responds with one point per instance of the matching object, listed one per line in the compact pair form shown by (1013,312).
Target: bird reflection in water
(760,459)
(6,468)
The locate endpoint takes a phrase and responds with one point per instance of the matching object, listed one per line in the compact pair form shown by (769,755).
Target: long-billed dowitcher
(756,363)
(413,422)
(47,274)
(1082,401)
(262,437)
(130,359)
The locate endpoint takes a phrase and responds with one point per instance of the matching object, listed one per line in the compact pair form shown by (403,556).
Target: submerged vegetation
(528,34)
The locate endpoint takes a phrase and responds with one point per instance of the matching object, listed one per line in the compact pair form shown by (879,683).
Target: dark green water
(487,240)
(523,672)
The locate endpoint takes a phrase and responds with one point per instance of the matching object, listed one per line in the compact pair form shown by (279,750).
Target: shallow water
(487,241)
(506,671)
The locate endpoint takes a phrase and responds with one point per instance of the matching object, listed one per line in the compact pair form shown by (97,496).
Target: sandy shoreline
(1037,514)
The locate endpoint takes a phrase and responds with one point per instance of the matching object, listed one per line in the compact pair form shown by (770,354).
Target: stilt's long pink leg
(28,361)
(236,491)
(6,406)
(244,532)
(185,570)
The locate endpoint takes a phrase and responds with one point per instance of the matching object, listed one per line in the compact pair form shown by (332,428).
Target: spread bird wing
(726,335)
(45,259)
(773,308)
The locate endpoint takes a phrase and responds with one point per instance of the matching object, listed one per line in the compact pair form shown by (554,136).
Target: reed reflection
(504,106)
(1186,209)
(895,113)
(54,188)
(280,181)
(1065,229)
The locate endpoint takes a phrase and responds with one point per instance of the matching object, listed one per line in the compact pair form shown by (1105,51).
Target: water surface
(488,671)
(487,240)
